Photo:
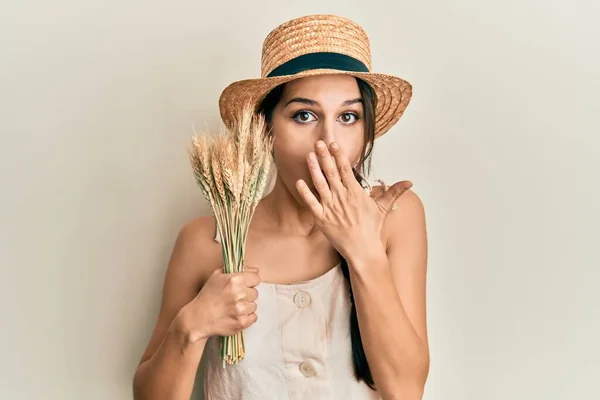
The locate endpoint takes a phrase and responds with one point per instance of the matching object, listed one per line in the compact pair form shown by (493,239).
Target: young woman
(332,303)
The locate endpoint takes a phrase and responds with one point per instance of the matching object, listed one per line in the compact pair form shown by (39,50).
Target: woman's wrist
(185,328)
(363,257)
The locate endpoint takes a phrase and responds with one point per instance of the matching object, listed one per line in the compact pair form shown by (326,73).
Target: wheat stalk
(231,168)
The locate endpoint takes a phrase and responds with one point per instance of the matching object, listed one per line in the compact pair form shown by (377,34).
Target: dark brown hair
(266,107)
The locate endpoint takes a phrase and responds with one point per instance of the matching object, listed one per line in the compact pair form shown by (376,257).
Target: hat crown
(322,33)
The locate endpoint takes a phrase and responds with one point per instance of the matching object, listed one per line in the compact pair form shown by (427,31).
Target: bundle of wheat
(231,168)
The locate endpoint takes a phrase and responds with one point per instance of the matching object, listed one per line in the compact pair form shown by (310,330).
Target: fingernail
(335,146)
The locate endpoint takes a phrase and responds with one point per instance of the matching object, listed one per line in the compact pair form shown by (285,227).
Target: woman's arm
(169,364)
(389,293)
(170,371)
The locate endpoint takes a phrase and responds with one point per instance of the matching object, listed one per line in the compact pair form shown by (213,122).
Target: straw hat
(318,45)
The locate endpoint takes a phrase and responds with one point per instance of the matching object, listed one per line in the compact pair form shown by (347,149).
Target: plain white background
(97,103)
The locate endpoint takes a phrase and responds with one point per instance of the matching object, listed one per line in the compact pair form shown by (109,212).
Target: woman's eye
(348,118)
(303,116)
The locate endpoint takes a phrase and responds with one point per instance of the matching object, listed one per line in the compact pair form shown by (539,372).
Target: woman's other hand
(349,217)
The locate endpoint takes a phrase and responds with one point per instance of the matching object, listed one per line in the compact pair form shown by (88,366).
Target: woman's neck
(282,211)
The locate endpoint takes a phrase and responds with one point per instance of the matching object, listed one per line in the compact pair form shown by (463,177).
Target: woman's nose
(327,132)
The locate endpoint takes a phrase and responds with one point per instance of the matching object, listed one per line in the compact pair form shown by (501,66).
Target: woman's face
(327,108)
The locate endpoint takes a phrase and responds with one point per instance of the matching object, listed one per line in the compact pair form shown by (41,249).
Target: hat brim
(392,94)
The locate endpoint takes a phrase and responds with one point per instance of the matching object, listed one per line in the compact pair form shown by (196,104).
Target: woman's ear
(272,136)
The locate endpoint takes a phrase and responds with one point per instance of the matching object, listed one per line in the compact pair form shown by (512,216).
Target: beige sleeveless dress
(298,349)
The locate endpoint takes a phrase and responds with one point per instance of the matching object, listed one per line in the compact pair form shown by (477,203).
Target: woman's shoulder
(408,213)
(198,229)
(195,248)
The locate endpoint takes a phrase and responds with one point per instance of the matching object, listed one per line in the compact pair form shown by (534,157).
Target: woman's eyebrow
(353,101)
(302,100)
(310,102)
